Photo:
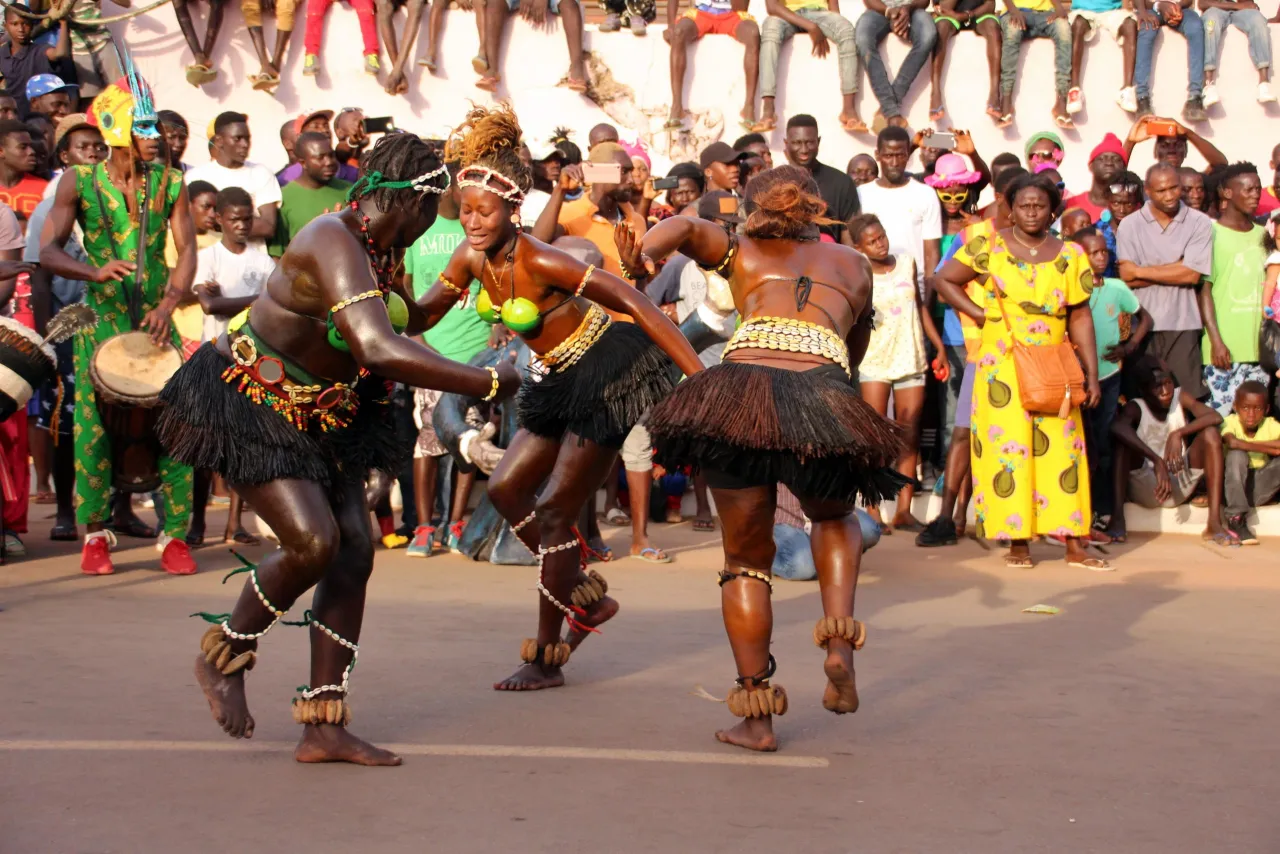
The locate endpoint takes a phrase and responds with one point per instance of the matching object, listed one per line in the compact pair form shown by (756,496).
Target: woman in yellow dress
(1030,476)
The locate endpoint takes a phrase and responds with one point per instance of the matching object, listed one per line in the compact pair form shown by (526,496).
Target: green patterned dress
(110,301)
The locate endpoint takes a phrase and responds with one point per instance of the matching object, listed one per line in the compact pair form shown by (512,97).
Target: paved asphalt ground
(1142,718)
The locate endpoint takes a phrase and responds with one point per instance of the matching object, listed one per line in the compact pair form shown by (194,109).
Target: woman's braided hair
(490,137)
(784,204)
(397,157)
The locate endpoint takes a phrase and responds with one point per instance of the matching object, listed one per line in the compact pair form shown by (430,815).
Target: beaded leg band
(214,644)
(840,627)
(217,651)
(321,712)
(516,528)
(727,575)
(308,694)
(574,611)
(551,655)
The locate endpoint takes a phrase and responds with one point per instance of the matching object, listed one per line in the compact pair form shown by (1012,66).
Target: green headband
(371,181)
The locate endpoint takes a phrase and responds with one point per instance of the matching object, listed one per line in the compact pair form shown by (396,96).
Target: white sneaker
(1265,95)
(1128,99)
(1210,95)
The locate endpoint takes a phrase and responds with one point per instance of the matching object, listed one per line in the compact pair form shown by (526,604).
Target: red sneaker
(176,558)
(95,559)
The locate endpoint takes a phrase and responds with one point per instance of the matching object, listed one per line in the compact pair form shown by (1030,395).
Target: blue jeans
(1097,435)
(793,559)
(870,32)
(1038,27)
(1251,22)
(1192,29)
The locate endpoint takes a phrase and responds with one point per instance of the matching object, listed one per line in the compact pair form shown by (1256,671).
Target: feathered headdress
(125,108)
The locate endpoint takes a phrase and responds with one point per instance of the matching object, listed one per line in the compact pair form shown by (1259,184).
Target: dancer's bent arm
(375,345)
(439,298)
(702,240)
(565,272)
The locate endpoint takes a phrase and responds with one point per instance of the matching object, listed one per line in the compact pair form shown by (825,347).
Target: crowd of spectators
(1174,271)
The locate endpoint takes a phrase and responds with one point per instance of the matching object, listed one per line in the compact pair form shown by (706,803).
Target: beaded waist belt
(791,336)
(573,348)
(269,379)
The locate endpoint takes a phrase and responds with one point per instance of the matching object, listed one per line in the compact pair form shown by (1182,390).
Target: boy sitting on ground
(1252,442)
(1154,467)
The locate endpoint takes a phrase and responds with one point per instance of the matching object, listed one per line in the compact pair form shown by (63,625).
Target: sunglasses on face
(948,197)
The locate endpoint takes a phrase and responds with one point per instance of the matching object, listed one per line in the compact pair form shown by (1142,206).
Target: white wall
(536,61)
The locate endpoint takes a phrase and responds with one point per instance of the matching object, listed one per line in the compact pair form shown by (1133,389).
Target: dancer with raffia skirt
(292,407)
(780,408)
(592,380)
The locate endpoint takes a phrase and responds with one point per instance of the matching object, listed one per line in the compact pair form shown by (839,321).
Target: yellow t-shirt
(1034,5)
(1268,431)
(811,5)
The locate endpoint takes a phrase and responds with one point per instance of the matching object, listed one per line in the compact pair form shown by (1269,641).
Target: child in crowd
(1073,222)
(229,276)
(1110,302)
(1252,442)
(1154,467)
(895,362)
(1126,197)
(188,317)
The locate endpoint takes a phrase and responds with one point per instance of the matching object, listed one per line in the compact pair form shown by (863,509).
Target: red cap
(1110,144)
(301,120)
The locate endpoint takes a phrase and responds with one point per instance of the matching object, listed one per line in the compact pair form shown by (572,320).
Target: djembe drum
(26,363)
(128,372)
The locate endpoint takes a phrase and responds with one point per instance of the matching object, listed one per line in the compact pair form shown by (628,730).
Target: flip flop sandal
(197,74)
(1226,540)
(765,125)
(64,534)
(242,537)
(673,124)
(488,84)
(45,498)
(747,124)
(576,85)
(854,125)
(937,115)
(1064,122)
(617,518)
(431,66)
(599,553)
(1200,501)
(1004,121)
(993,110)
(479,64)
(264,82)
(707,525)
(1093,564)
(1018,562)
(652,555)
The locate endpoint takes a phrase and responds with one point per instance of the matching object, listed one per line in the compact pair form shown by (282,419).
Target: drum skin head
(132,366)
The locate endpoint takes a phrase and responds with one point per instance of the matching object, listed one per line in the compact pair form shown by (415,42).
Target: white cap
(541,150)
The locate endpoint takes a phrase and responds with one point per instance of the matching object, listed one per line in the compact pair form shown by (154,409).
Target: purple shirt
(293,171)
(1188,240)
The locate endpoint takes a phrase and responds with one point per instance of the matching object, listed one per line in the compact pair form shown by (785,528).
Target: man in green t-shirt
(1231,296)
(459,335)
(313,193)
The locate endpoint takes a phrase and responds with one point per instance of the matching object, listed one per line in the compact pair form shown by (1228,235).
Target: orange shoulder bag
(1050,379)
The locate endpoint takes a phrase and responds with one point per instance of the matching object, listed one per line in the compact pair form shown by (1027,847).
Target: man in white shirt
(908,210)
(229,146)
(231,273)
(546,162)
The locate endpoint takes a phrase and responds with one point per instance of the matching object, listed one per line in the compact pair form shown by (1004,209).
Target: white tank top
(1153,432)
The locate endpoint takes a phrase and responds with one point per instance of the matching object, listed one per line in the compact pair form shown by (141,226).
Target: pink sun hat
(951,170)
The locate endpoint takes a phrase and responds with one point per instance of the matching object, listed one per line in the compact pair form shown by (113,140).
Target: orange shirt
(580,218)
(24,196)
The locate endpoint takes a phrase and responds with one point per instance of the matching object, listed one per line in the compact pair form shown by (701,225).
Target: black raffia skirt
(207,423)
(602,395)
(748,425)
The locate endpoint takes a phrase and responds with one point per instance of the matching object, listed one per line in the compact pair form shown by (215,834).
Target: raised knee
(314,548)
(554,514)
(503,494)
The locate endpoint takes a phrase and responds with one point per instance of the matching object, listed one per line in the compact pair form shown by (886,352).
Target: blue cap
(44,84)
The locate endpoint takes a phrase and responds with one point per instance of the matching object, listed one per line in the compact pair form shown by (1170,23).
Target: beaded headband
(481,176)
(371,181)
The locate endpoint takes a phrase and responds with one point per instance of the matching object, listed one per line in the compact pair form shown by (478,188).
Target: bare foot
(332,743)
(226,699)
(531,677)
(597,614)
(841,695)
(752,733)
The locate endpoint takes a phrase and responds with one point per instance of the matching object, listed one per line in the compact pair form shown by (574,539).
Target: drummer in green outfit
(133,198)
